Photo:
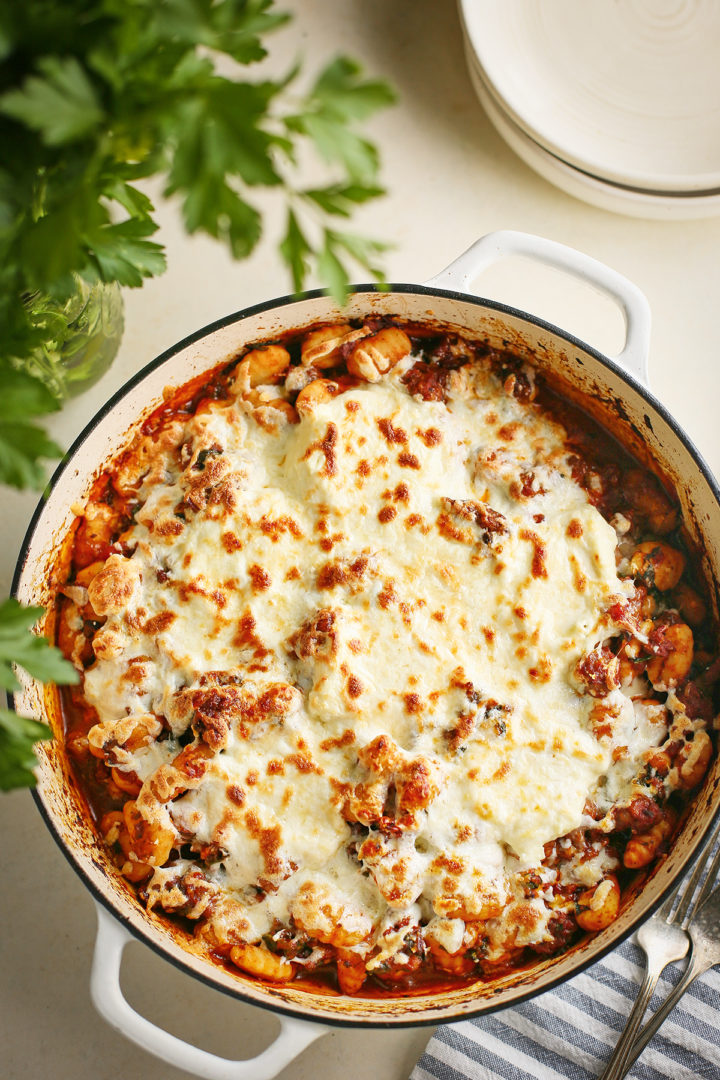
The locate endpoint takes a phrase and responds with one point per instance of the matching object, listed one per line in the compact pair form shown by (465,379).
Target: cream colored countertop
(450,180)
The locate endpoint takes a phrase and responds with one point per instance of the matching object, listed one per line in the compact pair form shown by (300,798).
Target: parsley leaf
(18,735)
(339,98)
(23,446)
(332,271)
(121,252)
(331,265)
(295,250)
(340,90)
(23,395)
(32,652)
(337,143)
(130,198)
(361,248)
(61,105)
(339,199)
(213,206)
(235,28)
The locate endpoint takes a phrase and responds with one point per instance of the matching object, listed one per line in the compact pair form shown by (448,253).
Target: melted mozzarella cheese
(349,556)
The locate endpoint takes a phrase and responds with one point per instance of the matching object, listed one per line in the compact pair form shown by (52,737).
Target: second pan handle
(633,303)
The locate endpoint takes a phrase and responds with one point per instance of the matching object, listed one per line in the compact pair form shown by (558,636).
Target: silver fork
(704,932)
(664,938)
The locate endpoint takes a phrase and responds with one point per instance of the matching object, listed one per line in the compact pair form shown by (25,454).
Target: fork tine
(708,884)
(684,910)
(684,893)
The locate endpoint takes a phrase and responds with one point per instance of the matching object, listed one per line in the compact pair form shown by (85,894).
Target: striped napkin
(569,1033)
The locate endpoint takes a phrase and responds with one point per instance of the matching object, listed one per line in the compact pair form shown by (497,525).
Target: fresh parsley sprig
(97,95)
(119,92)
(39,659)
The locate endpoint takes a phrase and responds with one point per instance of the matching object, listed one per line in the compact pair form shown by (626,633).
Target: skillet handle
(108,999)
(499,245)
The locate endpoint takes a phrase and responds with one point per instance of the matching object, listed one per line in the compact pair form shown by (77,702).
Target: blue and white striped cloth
(569,1033)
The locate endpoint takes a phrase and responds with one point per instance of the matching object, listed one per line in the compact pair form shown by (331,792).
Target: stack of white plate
(617,102)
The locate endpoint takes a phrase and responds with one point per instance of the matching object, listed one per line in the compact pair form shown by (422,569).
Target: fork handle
(698,966)
(620,1060)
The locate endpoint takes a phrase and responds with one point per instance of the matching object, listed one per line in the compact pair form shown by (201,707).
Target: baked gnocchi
(391,670)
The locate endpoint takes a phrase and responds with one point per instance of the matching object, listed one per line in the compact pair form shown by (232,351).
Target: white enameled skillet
(613,389)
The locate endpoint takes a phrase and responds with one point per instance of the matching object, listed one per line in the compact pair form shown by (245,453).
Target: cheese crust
(358,666)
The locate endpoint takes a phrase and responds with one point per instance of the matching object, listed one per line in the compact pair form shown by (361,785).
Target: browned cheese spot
(275,527)
(400,494)
(159,622)
(303,762)
(354,687)
(502,771)
(509,431)
(413,703)
(293,574)
(388,595)
(187,589)
(431,437)
(137,671)
(575,529)
(451,531)
(391,434)
(167,527)
(542,672)
(327,447)
(332,574)
(526,487)
(246,638)
(449,865)
(231,542)
(408,461)
(458,735)
(346,739)
(268,840)
(259,578)
(538,568)
(387,514)
(235,794)
(328,542)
